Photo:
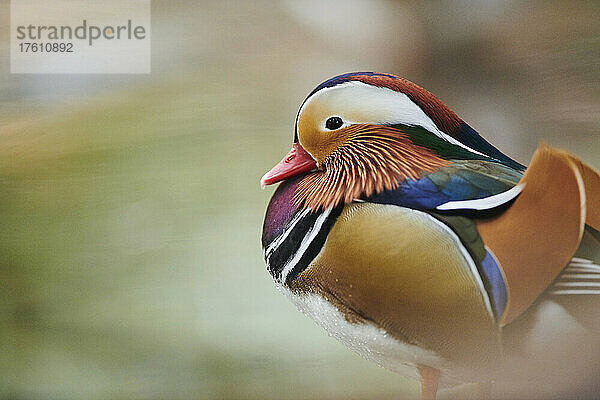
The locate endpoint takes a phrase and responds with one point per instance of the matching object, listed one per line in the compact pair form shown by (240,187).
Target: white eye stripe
(374,105)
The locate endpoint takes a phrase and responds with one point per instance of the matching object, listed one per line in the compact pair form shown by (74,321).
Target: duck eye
(333,123)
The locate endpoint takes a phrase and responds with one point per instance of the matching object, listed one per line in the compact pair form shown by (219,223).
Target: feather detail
(441,115)
(485,203)
(372,158)
(591,182)
(580,277)
(550,211)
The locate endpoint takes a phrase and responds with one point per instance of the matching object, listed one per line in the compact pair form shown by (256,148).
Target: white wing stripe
(485,203)
(590,270)
(579,276)
(574,291)
(576,260)
(583,268)
(577,284)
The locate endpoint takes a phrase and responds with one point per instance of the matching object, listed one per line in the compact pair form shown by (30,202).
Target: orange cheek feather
(322,144)
(361,159)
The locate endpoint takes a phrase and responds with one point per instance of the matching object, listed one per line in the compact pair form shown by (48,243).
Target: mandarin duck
(424,248)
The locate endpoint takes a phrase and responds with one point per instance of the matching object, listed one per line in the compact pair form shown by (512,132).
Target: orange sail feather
(550,212)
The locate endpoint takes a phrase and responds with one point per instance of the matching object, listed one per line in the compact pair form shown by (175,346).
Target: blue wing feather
(459,181)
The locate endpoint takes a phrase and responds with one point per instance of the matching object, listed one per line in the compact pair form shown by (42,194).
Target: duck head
(361,133)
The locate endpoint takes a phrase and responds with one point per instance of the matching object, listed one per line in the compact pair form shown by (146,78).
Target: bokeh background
(130,207)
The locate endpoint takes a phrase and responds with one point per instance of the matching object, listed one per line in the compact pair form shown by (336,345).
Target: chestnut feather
(372,158)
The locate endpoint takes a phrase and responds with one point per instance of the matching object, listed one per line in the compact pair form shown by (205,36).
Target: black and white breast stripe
(299,242)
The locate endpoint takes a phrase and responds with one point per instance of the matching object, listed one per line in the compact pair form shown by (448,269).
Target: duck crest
(441,115)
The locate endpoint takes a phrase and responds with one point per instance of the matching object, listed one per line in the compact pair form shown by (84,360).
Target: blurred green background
(130,207)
